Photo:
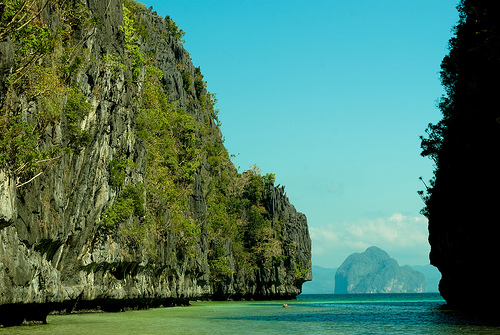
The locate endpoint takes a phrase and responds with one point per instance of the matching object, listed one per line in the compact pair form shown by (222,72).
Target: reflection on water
(310,314)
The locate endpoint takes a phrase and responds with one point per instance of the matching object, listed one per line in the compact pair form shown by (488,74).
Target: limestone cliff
(373,271)
(461,200)
(121,193)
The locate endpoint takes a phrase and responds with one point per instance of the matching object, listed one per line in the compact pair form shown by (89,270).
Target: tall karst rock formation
(116,188)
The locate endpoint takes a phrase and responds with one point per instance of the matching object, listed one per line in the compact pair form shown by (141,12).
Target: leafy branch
(18,15)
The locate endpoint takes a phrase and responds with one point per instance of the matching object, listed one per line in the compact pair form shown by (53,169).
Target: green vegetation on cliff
(42,69)
(179,147)
(126,195)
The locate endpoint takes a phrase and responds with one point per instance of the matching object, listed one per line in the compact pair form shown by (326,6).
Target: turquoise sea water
(310,314)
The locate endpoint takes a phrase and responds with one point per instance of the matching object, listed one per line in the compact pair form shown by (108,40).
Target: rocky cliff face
(87,225)
(373,271)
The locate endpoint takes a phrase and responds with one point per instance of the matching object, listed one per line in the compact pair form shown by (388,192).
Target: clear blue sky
(331,96)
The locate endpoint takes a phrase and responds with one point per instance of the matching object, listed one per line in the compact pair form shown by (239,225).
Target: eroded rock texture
(55,253)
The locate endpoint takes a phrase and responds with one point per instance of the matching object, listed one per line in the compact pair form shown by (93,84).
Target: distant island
(324,279)
(374,271)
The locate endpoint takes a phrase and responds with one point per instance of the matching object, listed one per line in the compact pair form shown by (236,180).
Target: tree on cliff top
(468,134)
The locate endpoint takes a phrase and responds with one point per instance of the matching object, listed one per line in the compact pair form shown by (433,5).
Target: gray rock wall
(54,255)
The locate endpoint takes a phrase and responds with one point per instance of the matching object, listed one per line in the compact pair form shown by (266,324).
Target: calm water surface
(310,314)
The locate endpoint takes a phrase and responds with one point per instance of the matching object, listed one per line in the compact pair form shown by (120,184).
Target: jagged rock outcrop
(275,280)
(55,251)
(373,271)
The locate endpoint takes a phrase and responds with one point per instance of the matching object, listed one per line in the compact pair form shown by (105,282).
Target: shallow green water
(310,314)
